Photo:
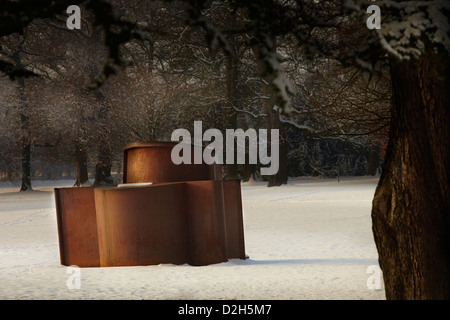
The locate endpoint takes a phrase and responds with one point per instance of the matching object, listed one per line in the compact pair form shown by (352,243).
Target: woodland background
(54,125)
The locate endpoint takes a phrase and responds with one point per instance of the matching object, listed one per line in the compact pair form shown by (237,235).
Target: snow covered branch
(409,28)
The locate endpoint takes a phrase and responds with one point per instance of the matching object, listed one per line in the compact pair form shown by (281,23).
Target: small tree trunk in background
(103,167)
(411,207)
(25,144)
(248,171)
(374,162)
(26,168)
(82,169)
(231,64)
(103,143)
(272,120)
(281,177)
(103,174)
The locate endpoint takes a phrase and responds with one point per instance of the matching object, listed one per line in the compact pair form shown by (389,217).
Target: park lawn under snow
(309,239)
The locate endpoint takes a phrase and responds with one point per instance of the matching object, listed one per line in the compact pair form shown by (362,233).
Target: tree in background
(9,100)
(345,104)
(13,48)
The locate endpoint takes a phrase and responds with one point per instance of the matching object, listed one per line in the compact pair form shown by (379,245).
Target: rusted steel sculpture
(151,162)
(77,226)
(189,214)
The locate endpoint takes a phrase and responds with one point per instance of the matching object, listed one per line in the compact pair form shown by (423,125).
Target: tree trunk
(103,174)
(103,167)
(82,169)
(281,177)
(104,148)
(248,171)
(272,120)
(26,168)
(230,114)
(25,144)
(411,207)
(374,162)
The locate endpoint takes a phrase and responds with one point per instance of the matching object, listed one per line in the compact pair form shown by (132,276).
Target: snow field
(310,239)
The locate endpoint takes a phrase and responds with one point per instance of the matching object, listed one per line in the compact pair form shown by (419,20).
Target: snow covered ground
(310,239)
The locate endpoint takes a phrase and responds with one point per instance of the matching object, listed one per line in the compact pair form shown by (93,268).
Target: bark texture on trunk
(272,119)
(82,169)
(374,162)
(411,207)
(230,114)
(103,167)
(103,174)
(281,177)
(25,143)
(26,168)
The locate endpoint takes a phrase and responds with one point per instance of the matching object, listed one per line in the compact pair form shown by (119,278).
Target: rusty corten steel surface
(144,159)
(234,219)
(77,227)
(189,215)
(151,162)
(167,223)
(142,225)
(207,225)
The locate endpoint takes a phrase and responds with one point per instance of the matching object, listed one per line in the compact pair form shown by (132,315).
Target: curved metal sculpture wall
(189,214)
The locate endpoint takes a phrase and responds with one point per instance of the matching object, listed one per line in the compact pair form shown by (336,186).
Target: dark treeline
(55,126)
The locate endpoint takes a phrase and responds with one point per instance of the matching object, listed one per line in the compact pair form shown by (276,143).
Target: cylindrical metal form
(151,162)
(189,214)
(178,222)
